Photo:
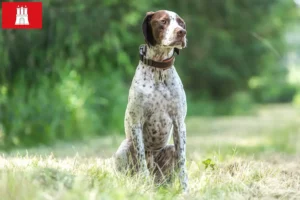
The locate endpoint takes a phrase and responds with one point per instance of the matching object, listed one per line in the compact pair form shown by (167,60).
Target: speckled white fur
(156,109)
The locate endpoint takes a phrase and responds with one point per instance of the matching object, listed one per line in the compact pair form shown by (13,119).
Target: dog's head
(164,28)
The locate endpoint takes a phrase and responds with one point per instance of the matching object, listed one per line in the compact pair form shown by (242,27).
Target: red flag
(22,15)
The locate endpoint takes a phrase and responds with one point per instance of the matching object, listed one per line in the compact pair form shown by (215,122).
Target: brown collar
(165,64)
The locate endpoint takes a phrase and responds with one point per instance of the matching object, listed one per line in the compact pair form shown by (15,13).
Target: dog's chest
(160,91)
(162,98)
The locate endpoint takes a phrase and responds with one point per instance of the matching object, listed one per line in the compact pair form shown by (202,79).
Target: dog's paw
(145,173)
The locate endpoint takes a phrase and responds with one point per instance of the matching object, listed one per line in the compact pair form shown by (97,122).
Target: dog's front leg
(179,137)
(138,145)
(134,128)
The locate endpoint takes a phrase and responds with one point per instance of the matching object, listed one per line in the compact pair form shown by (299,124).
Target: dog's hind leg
(121,157)
(164,164)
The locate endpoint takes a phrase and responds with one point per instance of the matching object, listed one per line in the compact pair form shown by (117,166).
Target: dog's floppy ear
(147,29)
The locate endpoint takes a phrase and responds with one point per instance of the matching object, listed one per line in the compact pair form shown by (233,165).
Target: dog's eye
(163,21)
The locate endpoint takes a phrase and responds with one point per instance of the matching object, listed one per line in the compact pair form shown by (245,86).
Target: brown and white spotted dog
(157,104)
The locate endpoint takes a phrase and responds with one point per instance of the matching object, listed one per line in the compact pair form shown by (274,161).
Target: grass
(252,157)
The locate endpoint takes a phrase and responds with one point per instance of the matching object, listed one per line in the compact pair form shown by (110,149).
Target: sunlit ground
(254,157)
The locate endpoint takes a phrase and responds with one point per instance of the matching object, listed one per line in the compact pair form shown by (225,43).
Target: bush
(75,108)
(239,103)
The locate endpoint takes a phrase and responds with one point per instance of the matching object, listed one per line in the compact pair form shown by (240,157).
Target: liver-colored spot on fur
(158,28)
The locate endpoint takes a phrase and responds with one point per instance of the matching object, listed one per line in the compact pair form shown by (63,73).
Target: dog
(157,105)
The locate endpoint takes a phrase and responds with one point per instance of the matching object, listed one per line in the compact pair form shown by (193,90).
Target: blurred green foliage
(71,79)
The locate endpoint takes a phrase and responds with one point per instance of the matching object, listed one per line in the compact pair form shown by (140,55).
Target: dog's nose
(181,33)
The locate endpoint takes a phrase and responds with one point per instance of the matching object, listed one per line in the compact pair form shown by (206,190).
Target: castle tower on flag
(22,16)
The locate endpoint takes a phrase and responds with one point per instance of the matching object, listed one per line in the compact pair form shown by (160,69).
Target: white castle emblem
(22,16)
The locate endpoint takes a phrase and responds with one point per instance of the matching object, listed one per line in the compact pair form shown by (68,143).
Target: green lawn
(254,157)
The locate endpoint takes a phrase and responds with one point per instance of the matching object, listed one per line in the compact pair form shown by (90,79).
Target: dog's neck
(159,53)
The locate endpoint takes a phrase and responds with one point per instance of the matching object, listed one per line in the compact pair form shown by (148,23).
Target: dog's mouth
(178,43)
(175,43)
